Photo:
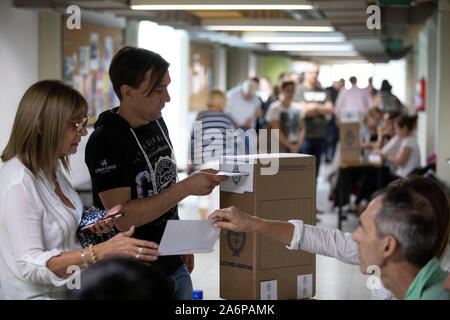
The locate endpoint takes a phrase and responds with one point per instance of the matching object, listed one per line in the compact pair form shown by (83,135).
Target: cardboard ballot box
(349,142)
(254,266)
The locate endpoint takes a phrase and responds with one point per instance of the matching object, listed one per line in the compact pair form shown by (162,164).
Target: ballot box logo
(236,242)
(349,138)
(236,179)
(73,20)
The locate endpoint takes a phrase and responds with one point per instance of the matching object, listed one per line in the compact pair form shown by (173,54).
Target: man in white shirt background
(244,106)
(354,100)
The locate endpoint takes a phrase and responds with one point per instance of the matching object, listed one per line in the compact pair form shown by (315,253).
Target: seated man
(397,233)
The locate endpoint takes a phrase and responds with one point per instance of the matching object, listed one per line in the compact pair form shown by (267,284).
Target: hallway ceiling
(315,29)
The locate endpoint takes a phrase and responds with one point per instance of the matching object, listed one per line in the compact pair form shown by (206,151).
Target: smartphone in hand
(105,219)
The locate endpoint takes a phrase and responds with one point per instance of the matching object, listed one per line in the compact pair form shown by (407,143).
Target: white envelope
(188,236)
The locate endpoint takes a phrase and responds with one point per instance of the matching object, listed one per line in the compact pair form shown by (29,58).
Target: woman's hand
(234,219)
(106,224)
(125,246)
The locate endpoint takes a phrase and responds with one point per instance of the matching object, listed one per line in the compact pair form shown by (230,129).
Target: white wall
(176,51)
(18,61)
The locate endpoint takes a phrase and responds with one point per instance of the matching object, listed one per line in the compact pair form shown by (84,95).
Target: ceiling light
(318,47)
(270,28)
(292,39)
(221,7)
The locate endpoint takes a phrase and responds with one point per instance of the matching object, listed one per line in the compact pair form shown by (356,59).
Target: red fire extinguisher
(420,94)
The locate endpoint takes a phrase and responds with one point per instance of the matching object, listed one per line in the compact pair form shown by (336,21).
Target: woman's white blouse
(35,226)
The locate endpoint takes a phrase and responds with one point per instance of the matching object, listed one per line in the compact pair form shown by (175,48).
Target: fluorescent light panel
(271,28)
(221,7)
(292,39)
(318,47)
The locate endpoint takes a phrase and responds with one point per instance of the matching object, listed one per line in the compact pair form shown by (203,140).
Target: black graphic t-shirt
(115,159)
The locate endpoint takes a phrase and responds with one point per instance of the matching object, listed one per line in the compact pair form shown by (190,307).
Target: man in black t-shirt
(317,107)
(131,158)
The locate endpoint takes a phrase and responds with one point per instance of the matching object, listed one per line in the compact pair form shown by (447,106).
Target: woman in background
(407,157)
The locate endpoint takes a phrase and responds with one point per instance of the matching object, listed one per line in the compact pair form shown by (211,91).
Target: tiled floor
(334,279)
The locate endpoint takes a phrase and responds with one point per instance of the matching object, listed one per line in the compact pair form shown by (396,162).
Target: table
(343,187)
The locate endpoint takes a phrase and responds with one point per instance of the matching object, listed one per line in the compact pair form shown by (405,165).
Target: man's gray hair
(409,218)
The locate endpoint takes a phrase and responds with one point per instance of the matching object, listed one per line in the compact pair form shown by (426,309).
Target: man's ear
(126,91)
(390,246)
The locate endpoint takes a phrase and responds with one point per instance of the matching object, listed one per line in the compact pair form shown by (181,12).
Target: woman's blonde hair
(373,112)
(40,124)
(216,99)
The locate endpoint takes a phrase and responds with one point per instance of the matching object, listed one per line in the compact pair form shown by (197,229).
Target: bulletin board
(200,75)
(87,55)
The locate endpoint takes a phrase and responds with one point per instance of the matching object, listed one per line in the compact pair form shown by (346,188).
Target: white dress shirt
(242,109)
(35,226)
(354,100)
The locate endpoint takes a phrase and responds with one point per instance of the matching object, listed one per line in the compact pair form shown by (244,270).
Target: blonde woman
(39,210)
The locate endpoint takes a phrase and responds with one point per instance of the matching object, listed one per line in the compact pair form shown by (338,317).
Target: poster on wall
(84,60)
(94,57)
(87,56)
(200,75)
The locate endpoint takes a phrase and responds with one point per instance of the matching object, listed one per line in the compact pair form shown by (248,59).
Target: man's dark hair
(352,80)
(122,279)
(130,65)
(409,218)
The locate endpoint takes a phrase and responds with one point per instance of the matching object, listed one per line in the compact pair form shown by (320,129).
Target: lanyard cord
(153,178)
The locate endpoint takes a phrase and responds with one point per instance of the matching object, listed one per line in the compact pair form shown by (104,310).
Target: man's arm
(325,108)
(236,220)
(141,211)
(309,109)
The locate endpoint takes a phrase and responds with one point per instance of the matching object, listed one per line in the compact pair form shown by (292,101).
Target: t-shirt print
(163,166)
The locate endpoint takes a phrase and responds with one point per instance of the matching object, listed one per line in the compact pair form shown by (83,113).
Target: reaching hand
(234,219)
(202,182)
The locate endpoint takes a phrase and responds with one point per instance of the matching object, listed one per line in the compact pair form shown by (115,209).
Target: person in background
(388,102)
(408,157)
(415,246)
(286,115)
(317,109)
(353,100)
(332,136)
(40,211)
(369,128)
(122,279)
(213,142)
(244,106)
(369,141)
(372,91)
(131,159)
(267,96)
(386,131)
(214,121)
